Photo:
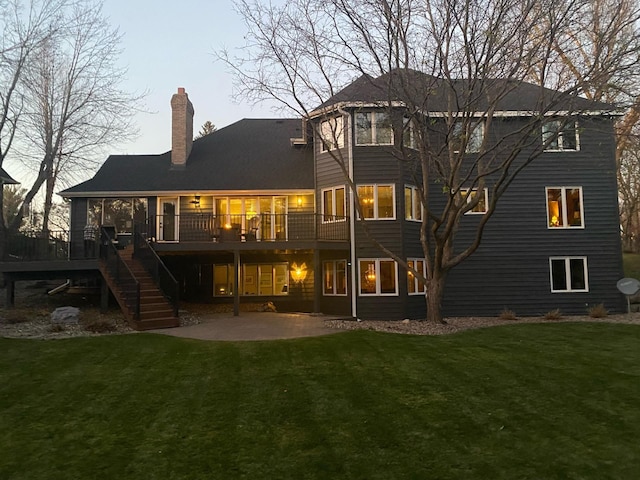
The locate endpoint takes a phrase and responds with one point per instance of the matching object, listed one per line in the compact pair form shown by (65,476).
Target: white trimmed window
(483,200)
(412,205)
(378,202)
(564,207)
(331,134)
(560,135)
(262,279)
(373,128)
(334,281)
(414,285)
(378,277)
(408,133)
(471,139)
(568,274)
(333,204)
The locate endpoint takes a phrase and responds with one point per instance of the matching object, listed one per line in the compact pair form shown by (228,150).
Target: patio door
(168,220)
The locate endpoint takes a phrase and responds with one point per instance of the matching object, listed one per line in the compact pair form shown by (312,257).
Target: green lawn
(552,401)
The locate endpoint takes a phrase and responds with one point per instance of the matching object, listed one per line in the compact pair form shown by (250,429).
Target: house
(260,211)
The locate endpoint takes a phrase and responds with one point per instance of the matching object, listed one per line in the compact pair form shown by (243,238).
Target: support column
(236,283)
(104,295)
(10,286)
(317,281)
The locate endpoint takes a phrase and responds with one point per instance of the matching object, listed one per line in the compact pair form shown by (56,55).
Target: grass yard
(552,401)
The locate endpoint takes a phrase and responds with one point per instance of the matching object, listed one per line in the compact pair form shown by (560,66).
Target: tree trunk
(435,292)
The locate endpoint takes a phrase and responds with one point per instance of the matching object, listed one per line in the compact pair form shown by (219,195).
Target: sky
(169,44)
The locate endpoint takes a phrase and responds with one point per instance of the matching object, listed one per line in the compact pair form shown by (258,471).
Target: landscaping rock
(66,315)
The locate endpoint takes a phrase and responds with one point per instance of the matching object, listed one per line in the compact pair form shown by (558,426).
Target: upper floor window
(373,128)
(408,133)
(333,204)
(334,277)
(564,207)
(378,276)
(412,204)
(377,202)
(331,134)
(568,274)
(560,135)
(467,135)
(122,213)
(414,285)
(483,200)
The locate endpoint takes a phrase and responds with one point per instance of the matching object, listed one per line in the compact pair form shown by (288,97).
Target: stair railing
(161,275)
(119,271)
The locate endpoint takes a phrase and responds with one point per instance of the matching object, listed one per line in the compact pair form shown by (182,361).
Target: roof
(251,154)
(430,93)
(6,179)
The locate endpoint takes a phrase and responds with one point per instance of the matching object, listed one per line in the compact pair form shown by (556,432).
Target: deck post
(10,286)
(317,280)
(236,283)
(104,295)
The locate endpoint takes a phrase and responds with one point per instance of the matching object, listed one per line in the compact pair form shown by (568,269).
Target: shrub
(56,327)
(553,315)
(507,314)
(598,311)
(100,326)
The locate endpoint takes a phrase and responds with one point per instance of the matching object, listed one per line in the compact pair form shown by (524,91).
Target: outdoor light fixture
(298,273)
(299,201)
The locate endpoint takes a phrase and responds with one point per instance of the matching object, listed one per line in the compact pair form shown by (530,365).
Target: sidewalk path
(253,326)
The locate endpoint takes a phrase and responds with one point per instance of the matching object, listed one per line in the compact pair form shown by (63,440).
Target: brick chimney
(181,128)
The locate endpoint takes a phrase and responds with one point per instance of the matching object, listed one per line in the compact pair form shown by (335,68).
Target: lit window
(334,277)
(568,274)
(377,202)
(467,135)
(564,207)
(414,285)
(266,279)
(412,204)
(331,134)
(333,204)
(559,135)
(373,128)
(378,277)
(472,195)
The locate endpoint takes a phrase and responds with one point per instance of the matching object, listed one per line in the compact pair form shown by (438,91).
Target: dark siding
(78,221)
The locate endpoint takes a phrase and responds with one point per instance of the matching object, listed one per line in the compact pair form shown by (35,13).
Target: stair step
(167,322)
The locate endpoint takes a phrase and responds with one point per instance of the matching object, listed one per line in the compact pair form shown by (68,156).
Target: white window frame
(408,131)
(564,212)
(465,194)
(331,132)
(567,261)
(335,216)
(334,264)
(378,292)
(412,278)
(372,141)
(561,133)
(474,143)
(414,210)
(375,200)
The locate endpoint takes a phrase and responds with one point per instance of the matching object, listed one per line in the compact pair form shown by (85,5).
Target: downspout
(352,217)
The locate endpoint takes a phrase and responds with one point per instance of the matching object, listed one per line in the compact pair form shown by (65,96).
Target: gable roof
(6,179)
(251,154)
(431,94)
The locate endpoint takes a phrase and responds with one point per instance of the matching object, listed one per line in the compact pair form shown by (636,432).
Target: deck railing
(31,245)
(122,276)
(248,228)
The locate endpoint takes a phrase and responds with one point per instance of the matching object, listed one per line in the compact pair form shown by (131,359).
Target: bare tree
(74,103)
(443,69)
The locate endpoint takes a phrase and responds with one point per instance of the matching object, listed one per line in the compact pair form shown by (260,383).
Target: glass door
(168,220)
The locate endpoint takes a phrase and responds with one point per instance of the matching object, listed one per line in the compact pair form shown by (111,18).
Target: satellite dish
(628,286)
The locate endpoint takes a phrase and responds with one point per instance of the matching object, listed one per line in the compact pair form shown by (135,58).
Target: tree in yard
(443,70)
(13,198)
(206,129)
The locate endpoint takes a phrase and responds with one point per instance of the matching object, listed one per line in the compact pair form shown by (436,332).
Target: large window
(467,135)
(333,204)
(331,134)
(560,135)
(412,204)
(378,277)
(414,285)
(569,274)
(482,196)
(123,213)
(373,128)
(262,279)
(377,202)
(564,207)
(334,277)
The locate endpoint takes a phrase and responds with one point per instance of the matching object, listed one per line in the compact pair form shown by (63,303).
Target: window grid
(373,128)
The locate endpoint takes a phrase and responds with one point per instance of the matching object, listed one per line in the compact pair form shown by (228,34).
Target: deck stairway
(155,310)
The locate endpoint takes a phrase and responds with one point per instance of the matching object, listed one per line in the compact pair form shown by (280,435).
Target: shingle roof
(251,154)
(6,179)
(430,93)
